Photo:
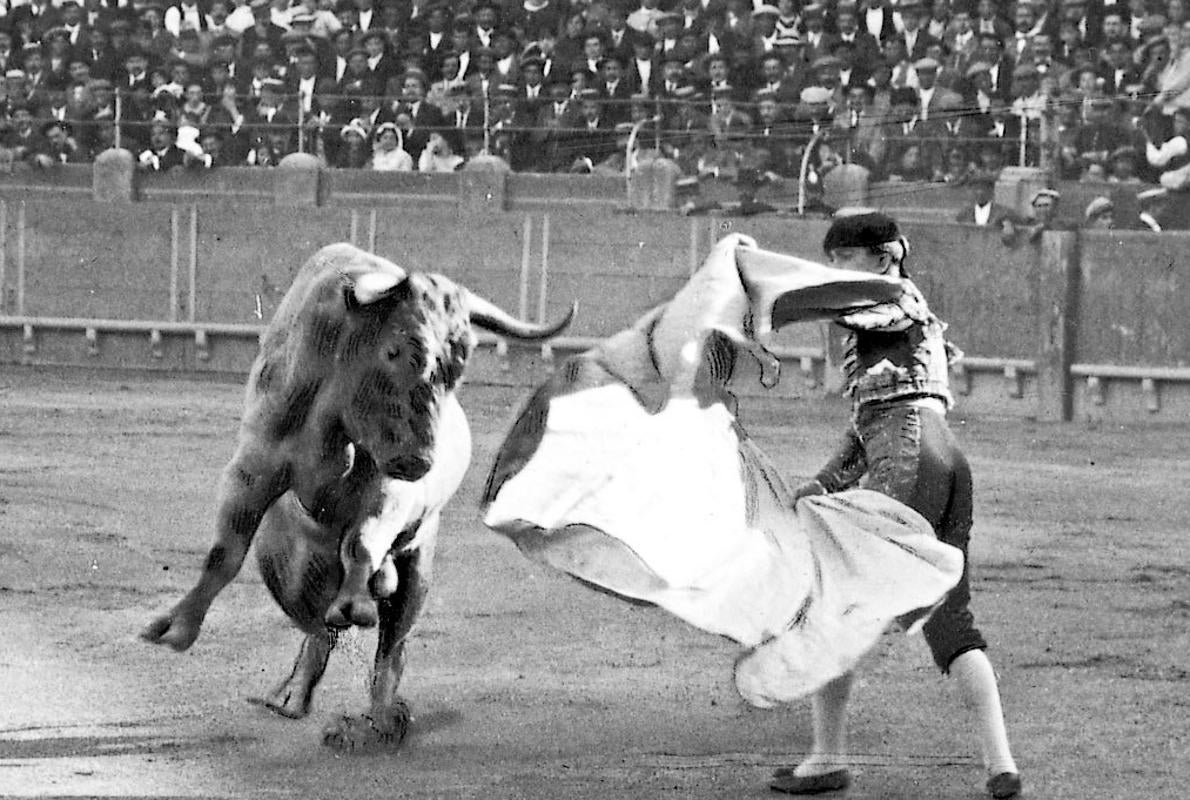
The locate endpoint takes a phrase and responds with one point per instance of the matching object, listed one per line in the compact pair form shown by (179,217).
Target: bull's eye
(393,355)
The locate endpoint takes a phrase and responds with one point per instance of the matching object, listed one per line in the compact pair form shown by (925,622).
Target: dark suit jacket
(325,90)
(464,129)
(1111,85)
(867,51)
(595,144)
(966,215)
(428,119)
(888,27)
(431,57)
(920,45)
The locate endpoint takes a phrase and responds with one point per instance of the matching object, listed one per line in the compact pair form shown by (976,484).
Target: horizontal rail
(1175,374)
(986,364)
(233,329)
(246,330)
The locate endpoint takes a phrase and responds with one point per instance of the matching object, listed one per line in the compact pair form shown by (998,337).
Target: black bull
(350,444)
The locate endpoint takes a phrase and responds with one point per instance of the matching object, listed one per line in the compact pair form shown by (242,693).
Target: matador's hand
(806,489)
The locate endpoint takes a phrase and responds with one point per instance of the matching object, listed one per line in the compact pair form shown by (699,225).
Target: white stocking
(829,706)
(977,685)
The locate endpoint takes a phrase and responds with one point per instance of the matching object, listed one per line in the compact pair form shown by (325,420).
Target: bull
(351,443)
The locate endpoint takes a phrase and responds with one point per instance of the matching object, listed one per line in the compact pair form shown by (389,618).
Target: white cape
(669,502)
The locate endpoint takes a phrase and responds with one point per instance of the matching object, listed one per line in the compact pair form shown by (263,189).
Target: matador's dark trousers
(910,454)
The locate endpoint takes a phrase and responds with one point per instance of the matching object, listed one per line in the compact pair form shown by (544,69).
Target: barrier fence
(1088,324)
(498,124)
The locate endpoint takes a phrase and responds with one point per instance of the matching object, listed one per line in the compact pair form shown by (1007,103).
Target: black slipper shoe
(790,783)
(1004,785)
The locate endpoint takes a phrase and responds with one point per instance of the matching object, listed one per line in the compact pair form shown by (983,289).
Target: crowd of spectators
(923,90)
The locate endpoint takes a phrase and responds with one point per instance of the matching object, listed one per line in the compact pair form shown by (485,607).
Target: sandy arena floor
(523,683)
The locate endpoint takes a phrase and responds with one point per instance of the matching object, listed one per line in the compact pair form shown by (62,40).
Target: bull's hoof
(284,704)
(360,610)
(367,733)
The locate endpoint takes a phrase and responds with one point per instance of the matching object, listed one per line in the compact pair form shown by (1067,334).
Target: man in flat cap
(926,70)
(1100,214)
(913,34)
(595,137)
(778,78)
(263,29)
(644,72)
(617,91)
(983,210)
(848,73)
(1101,134)
(866,52)
(764,28)
(1044,206)
(273,113)
(815,38)
(1122,166)
(464,119)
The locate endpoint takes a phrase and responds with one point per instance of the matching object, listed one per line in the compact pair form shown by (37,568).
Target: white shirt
(644,69)
(306,92)
(182,16)
(983,214)
(1160,156)
(926,96)
(874,21)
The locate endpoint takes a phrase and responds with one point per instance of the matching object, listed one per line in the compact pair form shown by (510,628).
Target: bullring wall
(185,286)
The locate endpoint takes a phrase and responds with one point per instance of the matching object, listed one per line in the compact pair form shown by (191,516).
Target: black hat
(862,229)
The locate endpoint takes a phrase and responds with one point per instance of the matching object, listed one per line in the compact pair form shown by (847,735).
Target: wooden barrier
(187,287)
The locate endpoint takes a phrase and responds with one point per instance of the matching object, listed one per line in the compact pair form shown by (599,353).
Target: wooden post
(3,255)
(174,228)
(1059,289)
(192,268)
(21,259)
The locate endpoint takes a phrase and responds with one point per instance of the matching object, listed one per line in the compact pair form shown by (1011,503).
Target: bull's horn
(372,286)
(491,317)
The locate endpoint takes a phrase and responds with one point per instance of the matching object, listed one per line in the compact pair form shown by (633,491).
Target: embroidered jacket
(897,350)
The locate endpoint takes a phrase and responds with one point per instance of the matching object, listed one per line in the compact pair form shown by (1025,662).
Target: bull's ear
(372,287)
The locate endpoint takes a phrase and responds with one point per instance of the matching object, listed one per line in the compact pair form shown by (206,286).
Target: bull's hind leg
(387,720)
(293,696)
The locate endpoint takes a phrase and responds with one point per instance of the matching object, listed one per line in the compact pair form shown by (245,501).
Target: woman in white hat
(388,152)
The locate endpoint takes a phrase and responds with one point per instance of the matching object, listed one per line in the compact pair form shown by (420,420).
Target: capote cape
(629,470)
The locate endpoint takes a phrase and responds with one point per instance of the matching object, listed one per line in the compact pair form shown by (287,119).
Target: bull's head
(409,339)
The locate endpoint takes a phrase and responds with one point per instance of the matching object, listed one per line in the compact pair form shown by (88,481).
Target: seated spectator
(162,154)
(1045,212)
(388,150)
(595,138)
(983,210)
(55,146)
(1173,156)
(1100,136)
(437,156)
(1100,214)
(351,151)
(1123,165)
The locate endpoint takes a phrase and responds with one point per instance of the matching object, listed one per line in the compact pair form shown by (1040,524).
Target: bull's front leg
(293,696)
(252,481)
(365,557)
(387,720)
